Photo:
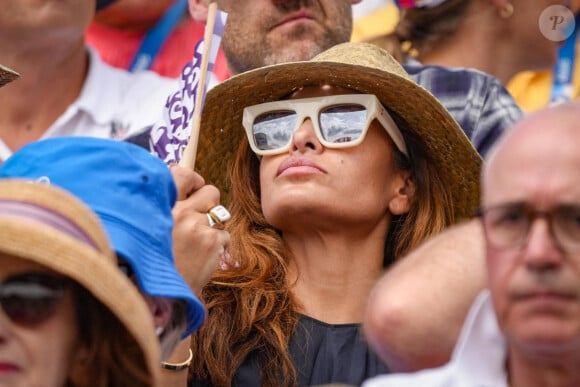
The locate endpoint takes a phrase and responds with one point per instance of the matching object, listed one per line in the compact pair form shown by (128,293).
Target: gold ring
(219,214)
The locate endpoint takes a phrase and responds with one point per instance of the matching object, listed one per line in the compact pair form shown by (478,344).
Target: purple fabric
(44,216)
(170,136)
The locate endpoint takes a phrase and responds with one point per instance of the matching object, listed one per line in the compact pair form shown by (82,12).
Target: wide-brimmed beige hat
(362,67)
(47,225)
(7,75)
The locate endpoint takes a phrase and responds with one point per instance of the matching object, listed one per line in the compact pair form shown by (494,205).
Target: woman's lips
(299,166)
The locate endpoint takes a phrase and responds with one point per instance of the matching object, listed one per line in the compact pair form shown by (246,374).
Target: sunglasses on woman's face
(29,299)
(339,121)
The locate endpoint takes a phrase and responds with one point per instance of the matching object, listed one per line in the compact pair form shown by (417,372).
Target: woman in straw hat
(69,317)
(339,166)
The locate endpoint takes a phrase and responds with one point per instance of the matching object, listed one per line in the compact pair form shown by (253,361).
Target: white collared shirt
(478,359)
(113,103)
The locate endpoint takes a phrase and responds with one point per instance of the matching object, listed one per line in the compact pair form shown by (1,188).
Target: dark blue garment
(478,101)
(322,353)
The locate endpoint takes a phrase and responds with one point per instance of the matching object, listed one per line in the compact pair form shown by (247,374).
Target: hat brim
(155,275)
(93,270)
(221,132)
(7,75)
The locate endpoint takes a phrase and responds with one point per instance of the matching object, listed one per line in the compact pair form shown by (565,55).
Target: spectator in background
(531,89)
(158,35)
(525,329)
(65,89)
(270,32)
(69,317)
(502,37)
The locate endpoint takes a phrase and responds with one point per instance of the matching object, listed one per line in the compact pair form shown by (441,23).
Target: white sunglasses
(339,121)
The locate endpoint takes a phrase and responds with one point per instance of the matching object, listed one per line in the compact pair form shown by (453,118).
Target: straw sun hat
(7,75)
(46,225)
(364,68)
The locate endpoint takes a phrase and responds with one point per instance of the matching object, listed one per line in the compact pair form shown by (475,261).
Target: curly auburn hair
(250,308)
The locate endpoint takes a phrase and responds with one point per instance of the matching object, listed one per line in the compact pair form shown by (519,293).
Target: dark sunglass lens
(31,299)
(273,130)
(343,123)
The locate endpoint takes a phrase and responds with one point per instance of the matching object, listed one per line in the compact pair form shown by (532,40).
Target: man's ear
(198,10)
(400,202)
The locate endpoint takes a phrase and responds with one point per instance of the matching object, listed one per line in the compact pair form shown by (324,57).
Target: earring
(506,10)
(159,331)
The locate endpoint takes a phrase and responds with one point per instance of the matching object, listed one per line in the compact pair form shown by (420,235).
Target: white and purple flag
(170,136)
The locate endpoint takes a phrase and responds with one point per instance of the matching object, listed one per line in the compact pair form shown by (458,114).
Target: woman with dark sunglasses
(68,316)
(337,168)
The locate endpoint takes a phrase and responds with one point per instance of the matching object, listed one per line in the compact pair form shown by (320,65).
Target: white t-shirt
(113,103)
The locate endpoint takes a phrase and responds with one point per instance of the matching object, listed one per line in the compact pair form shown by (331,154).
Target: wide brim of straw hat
(364,68)
(95,269)
(7,75)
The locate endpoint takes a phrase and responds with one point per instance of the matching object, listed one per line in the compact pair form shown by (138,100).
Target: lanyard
(156,36)
(563,87)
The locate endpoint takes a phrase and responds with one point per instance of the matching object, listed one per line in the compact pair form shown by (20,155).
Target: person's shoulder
(436,76)
(134,100)
(479,102)
(139,81)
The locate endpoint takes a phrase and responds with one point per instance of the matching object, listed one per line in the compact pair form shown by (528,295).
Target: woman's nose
(304,138)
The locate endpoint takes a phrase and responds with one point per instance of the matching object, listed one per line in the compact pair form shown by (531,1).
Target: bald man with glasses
(524,328)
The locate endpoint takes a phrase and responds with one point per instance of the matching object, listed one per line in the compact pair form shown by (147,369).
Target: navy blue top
(323,353)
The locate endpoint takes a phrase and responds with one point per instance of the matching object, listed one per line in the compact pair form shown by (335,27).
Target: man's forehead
(540,132)
(540,158)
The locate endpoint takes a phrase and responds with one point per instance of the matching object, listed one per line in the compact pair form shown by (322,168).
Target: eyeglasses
(339,121)
(507,226)
(29,299)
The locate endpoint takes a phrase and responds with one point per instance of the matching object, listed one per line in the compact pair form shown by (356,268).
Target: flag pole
(190,152)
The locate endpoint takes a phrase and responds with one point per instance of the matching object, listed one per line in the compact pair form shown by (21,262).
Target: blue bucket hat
(131,191)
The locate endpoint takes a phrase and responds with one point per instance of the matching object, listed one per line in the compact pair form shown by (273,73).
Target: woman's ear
(404,191)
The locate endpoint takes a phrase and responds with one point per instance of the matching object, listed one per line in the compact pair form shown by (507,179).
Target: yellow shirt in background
(532,90)
(379,22)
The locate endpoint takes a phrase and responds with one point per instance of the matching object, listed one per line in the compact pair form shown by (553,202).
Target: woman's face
(311,185)
(42,350)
